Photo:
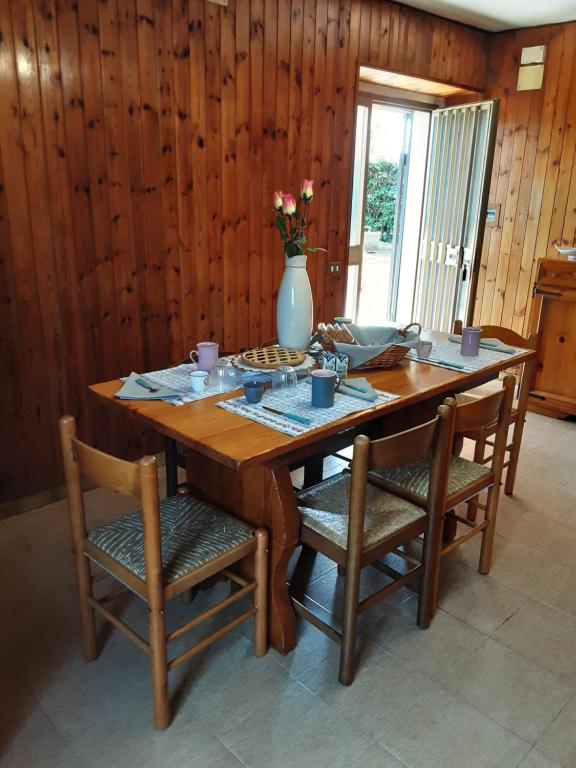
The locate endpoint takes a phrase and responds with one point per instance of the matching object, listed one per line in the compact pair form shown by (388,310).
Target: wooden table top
(238,442)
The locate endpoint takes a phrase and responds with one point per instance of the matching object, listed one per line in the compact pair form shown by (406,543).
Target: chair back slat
(411,445)
(478,414)
(107,471)
(505,335)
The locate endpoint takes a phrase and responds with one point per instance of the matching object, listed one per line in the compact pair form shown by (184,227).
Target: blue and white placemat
(297,402)
(177,379)
(446,354)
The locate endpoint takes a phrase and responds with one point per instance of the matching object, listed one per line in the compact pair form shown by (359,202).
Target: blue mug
(324,383)
(253,391)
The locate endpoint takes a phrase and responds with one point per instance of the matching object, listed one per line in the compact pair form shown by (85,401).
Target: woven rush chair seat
(413,478)
(192,534)
(324,509)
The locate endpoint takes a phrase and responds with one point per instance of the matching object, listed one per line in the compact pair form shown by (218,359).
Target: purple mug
(206,355)
(470,341)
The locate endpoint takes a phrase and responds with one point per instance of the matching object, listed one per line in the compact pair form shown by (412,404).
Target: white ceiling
(497,15)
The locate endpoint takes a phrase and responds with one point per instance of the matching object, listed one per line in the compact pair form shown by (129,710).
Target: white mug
(199,380)
(424,348)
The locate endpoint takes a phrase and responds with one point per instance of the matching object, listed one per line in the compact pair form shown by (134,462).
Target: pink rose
(288,205)
(277,200)
(306,191)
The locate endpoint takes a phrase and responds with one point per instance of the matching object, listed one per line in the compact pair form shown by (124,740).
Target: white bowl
(570,253)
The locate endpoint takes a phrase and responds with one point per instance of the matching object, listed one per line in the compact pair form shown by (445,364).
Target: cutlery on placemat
(292,416)
(147,386)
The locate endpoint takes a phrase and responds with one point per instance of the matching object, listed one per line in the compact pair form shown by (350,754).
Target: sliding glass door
(460,154)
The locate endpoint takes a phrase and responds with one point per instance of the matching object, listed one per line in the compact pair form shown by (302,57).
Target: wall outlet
(333,268)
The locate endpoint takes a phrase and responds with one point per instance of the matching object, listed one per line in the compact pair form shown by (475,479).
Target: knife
(293,416)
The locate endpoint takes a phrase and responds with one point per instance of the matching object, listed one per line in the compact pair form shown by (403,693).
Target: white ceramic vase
(294,310)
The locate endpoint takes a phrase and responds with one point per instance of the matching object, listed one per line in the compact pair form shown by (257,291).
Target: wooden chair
(157,553)
(466,479)
(482,438)
(354,523)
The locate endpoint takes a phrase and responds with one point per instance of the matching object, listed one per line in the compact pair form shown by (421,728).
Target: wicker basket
(390,357)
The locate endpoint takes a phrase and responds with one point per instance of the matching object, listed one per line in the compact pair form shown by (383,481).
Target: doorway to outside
(419,199)
(389,172)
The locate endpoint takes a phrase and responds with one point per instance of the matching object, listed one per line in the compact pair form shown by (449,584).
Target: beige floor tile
(433,651)
(27,737)
(479,600)
(313,648)
(536,759)
(442,731)
(543,635)
(515,565)
(559,741)
(384,689)
(559,590)
(540,533)
(518,694)
(377,757)
(299,730)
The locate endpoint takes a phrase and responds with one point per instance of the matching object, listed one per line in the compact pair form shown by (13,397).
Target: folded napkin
(495,344)
(132,390)
(358,387)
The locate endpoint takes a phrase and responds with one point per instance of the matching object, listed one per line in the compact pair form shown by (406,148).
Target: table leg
(313,471)
(282,519)
(171,466)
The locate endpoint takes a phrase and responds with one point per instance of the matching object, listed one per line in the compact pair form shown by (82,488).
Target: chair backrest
(505,335)
(433,438)
(133,478)
(483,411)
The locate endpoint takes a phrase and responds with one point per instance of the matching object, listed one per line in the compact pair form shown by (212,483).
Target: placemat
(446,354)
(178,379)
(298,402)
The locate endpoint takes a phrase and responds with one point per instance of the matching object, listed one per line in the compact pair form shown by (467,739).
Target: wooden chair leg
(487,545)
(157,636)
(514,456)
(349,621)
(479,452)
(341,571)
(260,595)
(87,619)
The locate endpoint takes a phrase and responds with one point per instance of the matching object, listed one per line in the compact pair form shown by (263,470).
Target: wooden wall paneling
(198,104)
(130,191)
(341,149)
(280,164)
(33,398)
(156,318)
(146,138)
(214,170)
(327,178)
(243,174)
(510,209)
(374,44)
(48,346)
(228,174)
(183,177)
(316,138)
(270,244)
(510,312)
(259,206)
(559,126)
(130,341)
(97,184)
(170,254)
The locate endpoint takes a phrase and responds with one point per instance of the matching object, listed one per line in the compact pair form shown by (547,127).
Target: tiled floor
(492,684)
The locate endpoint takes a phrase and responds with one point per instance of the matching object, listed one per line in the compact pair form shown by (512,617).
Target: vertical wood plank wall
(534,173)
(140,141)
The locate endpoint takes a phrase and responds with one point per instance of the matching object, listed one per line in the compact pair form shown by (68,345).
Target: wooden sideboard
(554,316)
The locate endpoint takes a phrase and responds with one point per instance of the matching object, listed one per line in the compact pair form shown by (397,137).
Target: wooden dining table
(244,467)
